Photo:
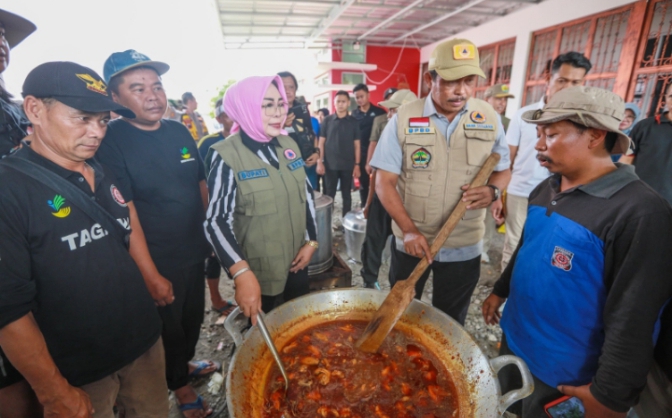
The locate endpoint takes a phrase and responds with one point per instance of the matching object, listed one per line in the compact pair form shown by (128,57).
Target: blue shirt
(389,157)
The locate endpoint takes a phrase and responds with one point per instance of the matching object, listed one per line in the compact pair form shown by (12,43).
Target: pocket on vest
(258,196)
(416,200)
(266,257)
(479,145)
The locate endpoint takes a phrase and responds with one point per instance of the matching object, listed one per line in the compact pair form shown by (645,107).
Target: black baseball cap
(74,85)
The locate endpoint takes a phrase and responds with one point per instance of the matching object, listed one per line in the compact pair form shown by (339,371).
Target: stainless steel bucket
(354,224)
(323,258)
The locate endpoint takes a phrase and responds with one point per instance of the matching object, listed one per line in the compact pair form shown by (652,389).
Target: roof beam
(439,19)
(389,19)
(334,14)
(224,14)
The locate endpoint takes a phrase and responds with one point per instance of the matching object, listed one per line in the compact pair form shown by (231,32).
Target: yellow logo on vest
(421,158)
(464,52)
(412,131)
(477,117)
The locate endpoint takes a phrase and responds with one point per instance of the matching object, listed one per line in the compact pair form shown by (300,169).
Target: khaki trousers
(656,399)
(139,389)
(516,213)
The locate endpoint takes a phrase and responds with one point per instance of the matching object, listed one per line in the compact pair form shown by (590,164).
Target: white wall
(520,25)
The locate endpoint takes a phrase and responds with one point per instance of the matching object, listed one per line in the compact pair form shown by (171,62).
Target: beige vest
(269,220)
(433,170)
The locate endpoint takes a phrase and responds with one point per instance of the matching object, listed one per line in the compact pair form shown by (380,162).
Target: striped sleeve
(219,217)
(311,221)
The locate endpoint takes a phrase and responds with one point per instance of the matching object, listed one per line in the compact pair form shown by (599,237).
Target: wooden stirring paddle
(403,292)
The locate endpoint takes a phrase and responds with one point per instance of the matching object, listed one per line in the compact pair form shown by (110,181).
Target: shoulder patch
(296,164)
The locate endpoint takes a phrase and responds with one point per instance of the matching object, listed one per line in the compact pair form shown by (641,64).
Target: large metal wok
(475,376)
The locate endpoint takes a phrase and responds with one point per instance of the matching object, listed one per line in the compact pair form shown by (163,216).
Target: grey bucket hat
(588,106)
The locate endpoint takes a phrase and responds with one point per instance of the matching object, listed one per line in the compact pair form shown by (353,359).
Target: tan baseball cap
(400,97)
(455,59)
(588,106)
(499,90)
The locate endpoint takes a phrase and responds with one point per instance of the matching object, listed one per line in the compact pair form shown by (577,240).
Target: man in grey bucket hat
(587,283)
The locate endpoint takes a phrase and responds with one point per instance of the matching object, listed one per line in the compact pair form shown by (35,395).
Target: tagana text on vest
(269,220)
(434,170)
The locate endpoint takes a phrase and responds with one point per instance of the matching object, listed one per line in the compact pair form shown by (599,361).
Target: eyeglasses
(271,110)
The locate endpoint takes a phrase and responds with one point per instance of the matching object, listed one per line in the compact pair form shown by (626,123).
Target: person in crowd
(261,217)
(162,178)
(300,127)
(174,110)
(207,141)
(586,285)
(419,181)
(378,222)
(365,113)
(652,149)
(379,123)
(340,150)
(567,70)
(17,400)
(656,398)
(632,113)
(213,270)
(498,97)
(77,321)
(191,118)
(13,123)
(321,114)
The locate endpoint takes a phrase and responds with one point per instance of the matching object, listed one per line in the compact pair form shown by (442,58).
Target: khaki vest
(269,221)
(433,170)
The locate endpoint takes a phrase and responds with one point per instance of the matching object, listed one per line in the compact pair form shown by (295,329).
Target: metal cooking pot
(354,224)
(475,377)
(323,258)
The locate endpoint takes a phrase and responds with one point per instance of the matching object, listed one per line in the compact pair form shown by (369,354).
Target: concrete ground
(216,344)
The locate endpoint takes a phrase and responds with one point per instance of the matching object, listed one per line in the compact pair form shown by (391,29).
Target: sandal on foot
(197,404)
(205,364)
(226,309)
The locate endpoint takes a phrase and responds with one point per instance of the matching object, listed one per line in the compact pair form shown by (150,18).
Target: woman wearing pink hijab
(261,217)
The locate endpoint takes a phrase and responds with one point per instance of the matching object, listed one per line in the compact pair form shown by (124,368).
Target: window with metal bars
(496,61)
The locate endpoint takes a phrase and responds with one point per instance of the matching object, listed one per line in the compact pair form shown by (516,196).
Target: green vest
(269,221)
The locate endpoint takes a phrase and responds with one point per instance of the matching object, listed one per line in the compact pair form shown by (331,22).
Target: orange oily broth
(329,377)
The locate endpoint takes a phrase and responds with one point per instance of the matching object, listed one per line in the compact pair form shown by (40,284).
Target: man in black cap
(76,319)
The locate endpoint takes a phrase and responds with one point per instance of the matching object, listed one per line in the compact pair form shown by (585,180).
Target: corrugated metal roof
(320,23)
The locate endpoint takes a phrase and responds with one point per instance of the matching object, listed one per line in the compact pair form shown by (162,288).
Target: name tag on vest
(296,164)
(481,126)
(429,130)
(252,174)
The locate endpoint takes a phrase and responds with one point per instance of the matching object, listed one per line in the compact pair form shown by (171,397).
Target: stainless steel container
(323,258)
(354,224)
(475,376)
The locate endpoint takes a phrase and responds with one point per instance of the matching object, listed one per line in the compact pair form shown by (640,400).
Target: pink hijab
(242,102)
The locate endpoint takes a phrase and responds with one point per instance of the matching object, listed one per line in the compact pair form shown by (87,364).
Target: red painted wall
(405,75)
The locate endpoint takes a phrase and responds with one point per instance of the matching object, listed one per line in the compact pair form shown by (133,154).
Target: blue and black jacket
(587,284)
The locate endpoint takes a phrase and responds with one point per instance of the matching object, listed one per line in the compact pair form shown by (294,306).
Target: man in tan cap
(427,155)
(590,276)
(498,96)
(379,224)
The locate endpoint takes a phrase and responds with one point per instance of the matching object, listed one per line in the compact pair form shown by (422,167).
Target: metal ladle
(271,346)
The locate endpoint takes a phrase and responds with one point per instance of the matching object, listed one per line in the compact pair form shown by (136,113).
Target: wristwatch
(496,190)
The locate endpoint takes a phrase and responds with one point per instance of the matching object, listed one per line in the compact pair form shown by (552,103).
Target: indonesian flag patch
(562,258)
(418,122)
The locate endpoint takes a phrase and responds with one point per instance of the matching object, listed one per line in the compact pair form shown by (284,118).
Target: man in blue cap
(76,320)
(162,177)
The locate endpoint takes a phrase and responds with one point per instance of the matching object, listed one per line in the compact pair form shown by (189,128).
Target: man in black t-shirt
(365,114)
(161,175)
(76,319)
(339,150)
